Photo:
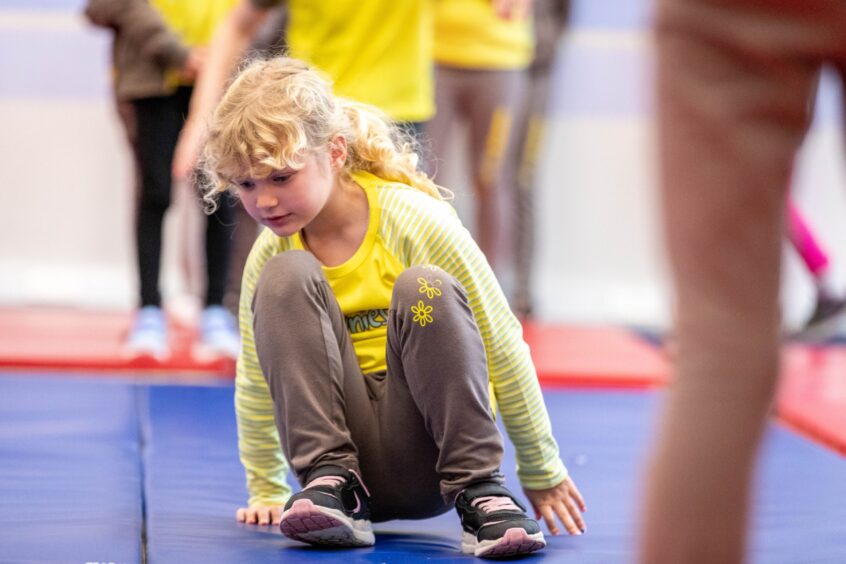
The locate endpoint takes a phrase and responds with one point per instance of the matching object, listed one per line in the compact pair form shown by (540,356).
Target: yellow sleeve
(258,438)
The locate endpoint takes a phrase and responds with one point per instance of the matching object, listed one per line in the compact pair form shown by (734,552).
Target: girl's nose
(265,198)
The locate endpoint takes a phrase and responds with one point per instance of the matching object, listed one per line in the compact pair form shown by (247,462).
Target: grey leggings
(419,433)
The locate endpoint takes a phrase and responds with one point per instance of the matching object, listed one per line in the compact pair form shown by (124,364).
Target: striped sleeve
(258,439)
(421,230)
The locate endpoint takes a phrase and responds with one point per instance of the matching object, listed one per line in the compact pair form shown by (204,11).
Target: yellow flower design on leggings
(430,290)
(422,313)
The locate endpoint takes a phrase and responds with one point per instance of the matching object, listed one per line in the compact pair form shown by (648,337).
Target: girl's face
(286,201)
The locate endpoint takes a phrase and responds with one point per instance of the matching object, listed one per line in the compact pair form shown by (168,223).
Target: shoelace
(495,503)
(331,481)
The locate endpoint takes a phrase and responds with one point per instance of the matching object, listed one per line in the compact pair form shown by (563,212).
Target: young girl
(376,341)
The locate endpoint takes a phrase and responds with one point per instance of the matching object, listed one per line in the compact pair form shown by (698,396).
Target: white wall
(66,176)
(66,238)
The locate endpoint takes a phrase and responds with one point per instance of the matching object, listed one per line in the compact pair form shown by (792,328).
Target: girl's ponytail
(382,148)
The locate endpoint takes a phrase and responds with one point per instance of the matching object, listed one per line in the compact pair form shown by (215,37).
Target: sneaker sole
(309,523)
(514,542)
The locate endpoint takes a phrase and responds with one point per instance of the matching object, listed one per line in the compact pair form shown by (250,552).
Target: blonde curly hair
(278,110)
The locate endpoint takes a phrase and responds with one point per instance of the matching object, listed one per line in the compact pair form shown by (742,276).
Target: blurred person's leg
(494,98)
(488,99)
(158,122)
(245,233)
(126,113)
(530,132)
(733,83)
(220,231)
(437,131)
(551,18)
(218,329)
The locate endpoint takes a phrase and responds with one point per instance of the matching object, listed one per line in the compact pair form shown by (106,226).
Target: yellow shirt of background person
(376,51)
(469,34)
(194,21)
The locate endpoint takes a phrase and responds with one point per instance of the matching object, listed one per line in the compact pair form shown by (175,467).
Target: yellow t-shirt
(363,286)
(469,34)
(377,51)
(406,228)
(194,21)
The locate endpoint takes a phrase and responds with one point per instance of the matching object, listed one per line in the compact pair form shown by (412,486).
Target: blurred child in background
(159,50)
(481,52)
(378,52)
(550,22)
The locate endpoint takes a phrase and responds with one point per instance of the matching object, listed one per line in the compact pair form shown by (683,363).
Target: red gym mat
(76,339)
(91,340)
(812,393)
(595,357)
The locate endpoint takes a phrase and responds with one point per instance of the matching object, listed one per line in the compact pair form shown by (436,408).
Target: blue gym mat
(194,484)
(74,453)
(70,471)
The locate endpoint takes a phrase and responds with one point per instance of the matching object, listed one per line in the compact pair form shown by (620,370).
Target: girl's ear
(338,152)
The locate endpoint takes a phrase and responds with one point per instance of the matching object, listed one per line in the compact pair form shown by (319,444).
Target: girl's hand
(259,514)
(563,500)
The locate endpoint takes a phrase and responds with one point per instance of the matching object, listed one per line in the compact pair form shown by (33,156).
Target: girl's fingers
(535,509)
(577,495)
(576,515)
(566,519)
(259,515)
(549,519)
(263,516)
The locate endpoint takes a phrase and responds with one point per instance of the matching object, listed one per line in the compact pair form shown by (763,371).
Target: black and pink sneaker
(332,510)
(495,523)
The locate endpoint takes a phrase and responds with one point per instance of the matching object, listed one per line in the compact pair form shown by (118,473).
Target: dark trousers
(159,121)
(419,433)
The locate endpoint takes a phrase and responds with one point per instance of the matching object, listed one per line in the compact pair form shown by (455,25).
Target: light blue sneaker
(148,335)
(219,332)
